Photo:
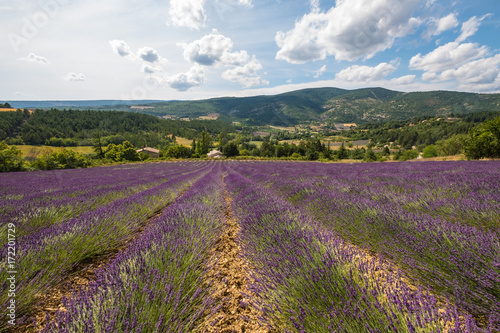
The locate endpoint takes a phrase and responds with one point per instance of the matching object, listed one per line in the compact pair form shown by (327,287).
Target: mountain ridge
(327,105)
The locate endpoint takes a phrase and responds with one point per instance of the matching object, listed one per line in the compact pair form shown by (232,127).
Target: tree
(484,141)
(97,145)
(231,149)
(129,152)
(342,153)
(370,155)
(10,158)
(222,141)
(387,151)
(203,144)
(452,146)
(430,151)
(178,152)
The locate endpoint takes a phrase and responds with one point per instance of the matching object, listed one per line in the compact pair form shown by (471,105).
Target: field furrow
(245,246)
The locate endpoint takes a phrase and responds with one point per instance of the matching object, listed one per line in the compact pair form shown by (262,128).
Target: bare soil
(228,279)
(79,277)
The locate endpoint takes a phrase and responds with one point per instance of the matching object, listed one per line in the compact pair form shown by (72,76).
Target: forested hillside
(140,129)
(330,106)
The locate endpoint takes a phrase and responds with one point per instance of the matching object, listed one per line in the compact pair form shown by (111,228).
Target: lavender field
(366,247)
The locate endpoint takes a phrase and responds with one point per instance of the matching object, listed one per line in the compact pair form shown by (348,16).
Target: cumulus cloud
(185,81)
(35,58)
(148,54)
(121,48)
(365,73)
(320,72)
(446,23)
(246,75)
(188,13)
(477,75)
(75,77)
(216,49)
(448,56)
(350,30)
(470,65)
(208,50)
(403,80)
(470,27)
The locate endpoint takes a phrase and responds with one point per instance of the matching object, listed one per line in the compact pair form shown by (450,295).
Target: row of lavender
(440,222)
(309,280)
(46,198)
(47,253)
(156,284)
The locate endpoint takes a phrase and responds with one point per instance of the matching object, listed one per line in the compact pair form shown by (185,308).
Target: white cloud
(35,58)
(477,75)
(246,75)
(351,30)
(208,50)
(148,54)
(245,3)
(448,56)
(365,73)
(445,23)
(470,27)
(320,72)
(404,80)
(188,13)
(121,48)
(185,81)
(217,50)
(75,77)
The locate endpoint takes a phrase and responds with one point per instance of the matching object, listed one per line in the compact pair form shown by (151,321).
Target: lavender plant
(156,284)
(309,280)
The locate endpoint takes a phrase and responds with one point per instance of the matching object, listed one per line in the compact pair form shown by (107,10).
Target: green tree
(342,153)
(484,141)
(97,145)
(178,152)
(203,144)
(453,145)
(10,158)
(231,149)
(69,159)
(370,155)
(430,151)
(129,153)
(409,155)
(387,151)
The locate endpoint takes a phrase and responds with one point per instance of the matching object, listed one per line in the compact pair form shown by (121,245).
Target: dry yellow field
(183,141)
(27,149)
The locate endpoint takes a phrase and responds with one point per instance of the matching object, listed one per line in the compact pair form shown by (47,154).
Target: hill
(308,106)
(331,105)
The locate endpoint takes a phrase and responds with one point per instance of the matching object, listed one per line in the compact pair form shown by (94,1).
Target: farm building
(152,152)
(214,154)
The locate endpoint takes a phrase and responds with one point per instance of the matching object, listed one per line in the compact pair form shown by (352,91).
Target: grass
(29,149)
(183,141)
(257,143)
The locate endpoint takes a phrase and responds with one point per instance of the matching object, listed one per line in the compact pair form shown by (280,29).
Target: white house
(214,154)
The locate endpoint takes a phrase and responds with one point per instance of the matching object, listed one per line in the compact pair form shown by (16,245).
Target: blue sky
(193,49)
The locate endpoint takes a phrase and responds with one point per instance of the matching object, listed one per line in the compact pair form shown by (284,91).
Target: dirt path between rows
(229,278)
(81,276)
